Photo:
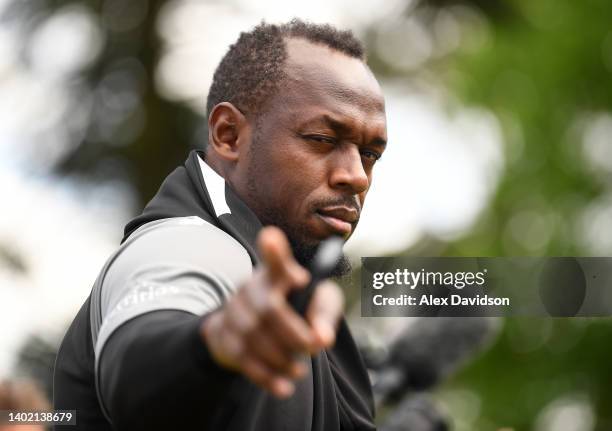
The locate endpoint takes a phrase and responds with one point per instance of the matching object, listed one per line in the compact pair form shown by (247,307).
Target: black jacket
(154,372)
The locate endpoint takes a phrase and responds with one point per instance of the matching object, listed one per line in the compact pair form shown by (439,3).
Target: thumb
(325,311)
(280,266)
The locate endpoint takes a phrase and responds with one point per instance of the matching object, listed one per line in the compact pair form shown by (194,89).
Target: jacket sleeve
(157,374)
(152,369)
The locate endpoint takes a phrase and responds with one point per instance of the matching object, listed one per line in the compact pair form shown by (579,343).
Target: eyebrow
(341,128)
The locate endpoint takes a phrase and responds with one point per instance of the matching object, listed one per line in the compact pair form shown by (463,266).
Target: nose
(348,172)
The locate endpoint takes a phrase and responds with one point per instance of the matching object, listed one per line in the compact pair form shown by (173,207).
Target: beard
(305,254)
(303,249)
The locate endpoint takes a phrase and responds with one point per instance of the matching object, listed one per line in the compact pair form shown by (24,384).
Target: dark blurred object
(428,351)
(415,413)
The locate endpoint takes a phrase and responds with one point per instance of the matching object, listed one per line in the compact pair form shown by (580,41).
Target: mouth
(340,220)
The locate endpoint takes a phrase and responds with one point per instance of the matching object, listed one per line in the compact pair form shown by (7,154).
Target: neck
(214,163)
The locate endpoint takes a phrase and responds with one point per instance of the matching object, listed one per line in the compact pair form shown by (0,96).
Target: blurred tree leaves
(132,134)
(168,131)
(544,70)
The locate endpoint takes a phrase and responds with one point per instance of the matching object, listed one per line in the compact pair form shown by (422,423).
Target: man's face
(309,164)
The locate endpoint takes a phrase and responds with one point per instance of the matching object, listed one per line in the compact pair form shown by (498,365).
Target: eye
(320,138)
(371,155)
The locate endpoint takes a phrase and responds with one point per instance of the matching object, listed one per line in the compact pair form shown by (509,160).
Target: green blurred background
(539,70)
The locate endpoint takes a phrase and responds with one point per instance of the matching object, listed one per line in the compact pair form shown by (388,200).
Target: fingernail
(325,332)
(284,387)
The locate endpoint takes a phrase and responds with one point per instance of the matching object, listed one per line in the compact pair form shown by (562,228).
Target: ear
(226,127)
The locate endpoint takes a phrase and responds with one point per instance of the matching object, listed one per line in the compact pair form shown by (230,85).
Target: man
(180,332)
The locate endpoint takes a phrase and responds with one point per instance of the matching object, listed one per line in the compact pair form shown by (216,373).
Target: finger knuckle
(235,346)
(254,372)
(249,324)
(273,307)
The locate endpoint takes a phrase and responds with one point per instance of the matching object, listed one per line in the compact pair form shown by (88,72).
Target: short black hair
(252,68)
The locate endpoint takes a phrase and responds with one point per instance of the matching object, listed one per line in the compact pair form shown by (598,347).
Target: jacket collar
(195,189)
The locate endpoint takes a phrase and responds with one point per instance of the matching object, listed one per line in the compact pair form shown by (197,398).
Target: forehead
(321,78)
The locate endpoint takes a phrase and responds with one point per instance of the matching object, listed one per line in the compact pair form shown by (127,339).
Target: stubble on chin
(305,249)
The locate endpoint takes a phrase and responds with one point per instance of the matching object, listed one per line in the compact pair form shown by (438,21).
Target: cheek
(299,169)
(362,198)
(294,173)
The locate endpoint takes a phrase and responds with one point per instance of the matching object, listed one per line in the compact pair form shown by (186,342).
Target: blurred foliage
(541,72)
(537,361)
(543,67)
(138,142)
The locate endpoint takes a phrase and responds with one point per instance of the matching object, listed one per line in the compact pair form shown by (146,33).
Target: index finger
(280,266)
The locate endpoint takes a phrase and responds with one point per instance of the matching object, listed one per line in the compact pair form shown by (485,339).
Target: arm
(173,366)
(156,373)
(152,366)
